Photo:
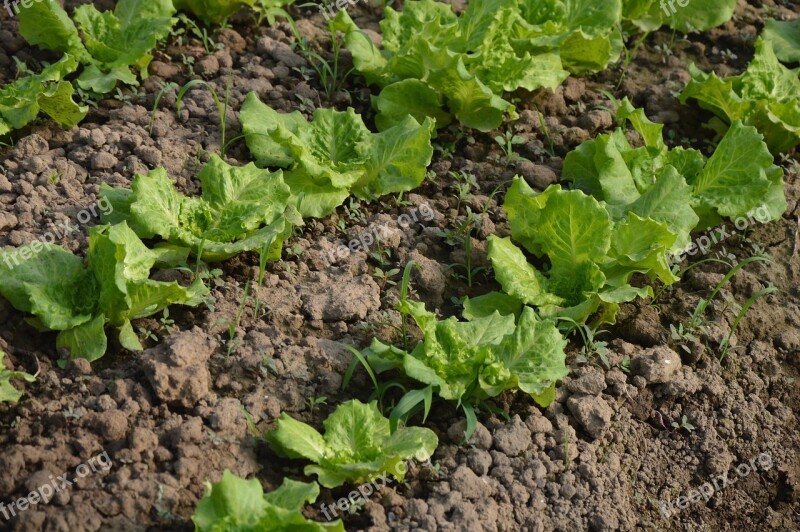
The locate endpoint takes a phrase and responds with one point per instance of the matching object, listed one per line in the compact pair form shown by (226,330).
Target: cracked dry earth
(604,456)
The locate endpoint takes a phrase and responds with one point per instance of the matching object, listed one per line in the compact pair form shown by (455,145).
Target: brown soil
(603,456)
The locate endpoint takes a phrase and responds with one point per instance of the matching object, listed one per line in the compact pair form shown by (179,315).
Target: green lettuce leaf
(677,186)
(592,255)
(766,96)
(63,295)
(695,15)
(213,12)
(357,446)
(335,155)
(530,359)
(106,43)
(582,33)
(236,504)
(7,392)
(434,63)
(241,209)
(21,100)
(46,24)
(785,39)
(468,361)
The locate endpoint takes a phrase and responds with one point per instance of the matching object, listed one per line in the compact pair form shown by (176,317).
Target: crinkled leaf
(518,278)
(335,155)
(50,283)
(734,181)
(785,39)
(8,393)
(87,340)
(236,504)
(487,304)
(21,101)
(295,439)
(46,24)
(212,12)
(357,445)
(532,358)
(766,95)
(241,209)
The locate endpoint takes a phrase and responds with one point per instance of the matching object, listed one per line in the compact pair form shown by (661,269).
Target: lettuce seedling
(106,43)
(8,393)
(215,12)
(470,361)
(678,186)
(434,63)
(357,446)
(335,156)
(236,504)
(592,258)
(79,301)
(21,101)
(241,209)
(695,15)
(766,96)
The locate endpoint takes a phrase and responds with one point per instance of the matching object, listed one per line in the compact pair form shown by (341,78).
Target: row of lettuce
(629,207)
(433,62)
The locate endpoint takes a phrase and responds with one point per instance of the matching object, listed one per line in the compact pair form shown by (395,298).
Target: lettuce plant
(592,257)
(212,11)
(336,155)
(8,393)
(108,44)
(357,445)
(766,96)
(114,288)
(434,63)
(470,361)
(48,92)
(217,11)
(235,504)
(678,187)
(695,15)
(785,39)
(241,209)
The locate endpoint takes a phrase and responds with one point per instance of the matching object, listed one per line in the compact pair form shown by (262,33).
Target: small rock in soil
(177,369)
(591,381)
(656,365)
(30,146)
(536,175)
(347,301)
(513,438)
(593,413)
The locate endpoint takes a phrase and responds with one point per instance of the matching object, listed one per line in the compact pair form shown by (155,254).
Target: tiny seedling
(507,141)
(546,132)
(684,424)
(166,322)
(330,72)
(166,87)
(222,105)
(724,346)
(313,402)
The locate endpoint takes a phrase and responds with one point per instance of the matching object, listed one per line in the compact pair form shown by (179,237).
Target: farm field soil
(611,453)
